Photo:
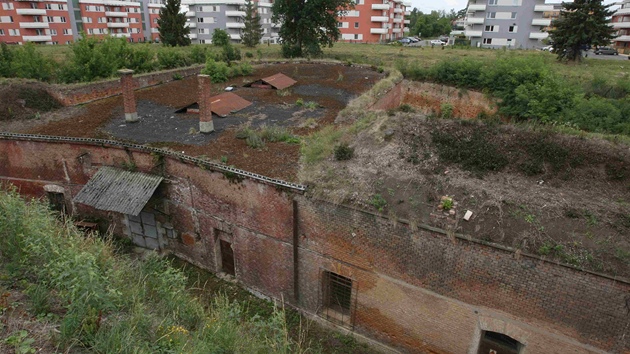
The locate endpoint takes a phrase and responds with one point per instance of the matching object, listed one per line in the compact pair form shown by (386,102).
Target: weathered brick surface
(391,99)
(417,290)
(75,94)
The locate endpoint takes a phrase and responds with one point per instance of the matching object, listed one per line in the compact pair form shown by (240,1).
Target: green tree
(252,33)
(581,23)
(172,25)
(431,25)
(220,38)
(308,24)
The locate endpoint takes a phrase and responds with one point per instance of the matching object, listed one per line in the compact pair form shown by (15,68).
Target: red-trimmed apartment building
(373,21)
(62,21)
(621,22)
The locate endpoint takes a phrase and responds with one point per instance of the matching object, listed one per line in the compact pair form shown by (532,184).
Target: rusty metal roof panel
(279,81)
(117,190)
(227,103)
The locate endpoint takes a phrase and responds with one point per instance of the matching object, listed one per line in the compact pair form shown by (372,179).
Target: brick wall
(72,95)
(391,99)
(417,290)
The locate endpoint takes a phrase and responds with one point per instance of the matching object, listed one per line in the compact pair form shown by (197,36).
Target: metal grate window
(338,299)
(227,258)
(57,202)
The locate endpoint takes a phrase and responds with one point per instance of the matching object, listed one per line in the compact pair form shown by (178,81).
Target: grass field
(386,56)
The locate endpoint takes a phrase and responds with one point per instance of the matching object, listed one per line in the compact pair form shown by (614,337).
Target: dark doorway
(57,202)
(227,258)
(337,292)
(497,343)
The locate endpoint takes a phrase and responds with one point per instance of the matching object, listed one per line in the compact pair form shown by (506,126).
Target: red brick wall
(417,290)
(72,95)
(391,100)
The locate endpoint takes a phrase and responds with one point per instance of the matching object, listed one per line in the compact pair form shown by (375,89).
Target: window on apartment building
(87,19)
(7,6)
(1,32)
(46,6)
(14,32)
(200,19)
(512,29)
(37,19)
(494,342)
(63,19)
(492,2)
(155,20)
(491,15)
(53,32)
(90,31)
(57,202)
(356,25)
(61,7)
(513,15)
(487,41)
(55,42)
(201,30)
(50,19)
(227,257)
(489,29)
(337,299)
(11,19)
(356,36)
(67,31)
(339,24)
(33,5)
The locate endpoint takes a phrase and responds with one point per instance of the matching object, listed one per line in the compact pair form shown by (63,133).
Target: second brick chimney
(129,100)
(205,110)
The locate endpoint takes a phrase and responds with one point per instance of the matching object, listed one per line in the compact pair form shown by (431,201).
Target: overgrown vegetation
(256,138)
(110,304)
(220,71)
(529,90)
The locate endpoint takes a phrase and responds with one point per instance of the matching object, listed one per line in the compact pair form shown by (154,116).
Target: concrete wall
(418,290)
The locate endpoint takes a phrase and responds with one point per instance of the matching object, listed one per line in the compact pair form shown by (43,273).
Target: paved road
(591,54)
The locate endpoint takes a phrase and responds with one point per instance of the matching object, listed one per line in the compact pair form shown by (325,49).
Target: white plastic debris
(467,215)
(229,88)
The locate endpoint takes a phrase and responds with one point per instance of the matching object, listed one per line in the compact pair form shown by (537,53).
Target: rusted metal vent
(278,81)
(221,105)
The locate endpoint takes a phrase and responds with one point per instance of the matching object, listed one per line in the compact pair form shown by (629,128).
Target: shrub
(6,57)
(170,58)
(446,110)
(464,72)
(220,37)
(474,152)
(29,63)
(231,53)
(218,71)
(343,152)
(544,100)
(198,54)
(595,114)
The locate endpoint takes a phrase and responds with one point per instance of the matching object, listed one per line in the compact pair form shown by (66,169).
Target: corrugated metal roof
(279,81)
(117,190)
(226,103)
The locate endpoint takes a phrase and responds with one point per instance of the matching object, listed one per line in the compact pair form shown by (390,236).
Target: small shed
(221,105)
(278,81)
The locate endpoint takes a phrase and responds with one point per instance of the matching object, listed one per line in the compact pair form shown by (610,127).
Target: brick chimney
(129,100)
(205,111)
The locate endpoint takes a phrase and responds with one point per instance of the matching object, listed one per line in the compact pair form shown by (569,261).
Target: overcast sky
(430,5)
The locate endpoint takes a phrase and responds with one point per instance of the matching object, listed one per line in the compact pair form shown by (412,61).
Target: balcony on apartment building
(44,38)
(378,30)
(190,14)
(625,11)
(235,36)
(27,12)
(538,35)
(380,6)
(234,25)
(475,20)
(622,38)
(117,24)
(473,33)
(543,8)
(398,10)
(476,7)
(275,25)
(192,35)
(396,30)
(121,35)
(621,24)
(235,13)
(406,29)
(116,14)
(379,19)
(541,22)
(191,24)
(407,13)
(34,25)
(397,20)
(407,22)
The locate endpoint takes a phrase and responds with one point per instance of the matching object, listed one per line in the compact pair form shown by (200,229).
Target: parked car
(412,39)
(548,48)
(404,41)
(606,50)
(437,42)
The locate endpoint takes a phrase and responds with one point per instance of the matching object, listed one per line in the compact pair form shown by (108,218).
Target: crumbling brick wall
(413,289)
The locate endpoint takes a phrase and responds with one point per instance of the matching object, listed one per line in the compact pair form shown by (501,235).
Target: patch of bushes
(343,152)
(473,152)
(113,304)
(220,71)
(256,138)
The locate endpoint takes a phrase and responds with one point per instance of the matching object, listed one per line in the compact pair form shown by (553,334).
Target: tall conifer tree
(252,33)
(172,25)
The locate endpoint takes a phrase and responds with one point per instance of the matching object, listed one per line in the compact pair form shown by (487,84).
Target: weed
(320,144)
(129,166)
(177,77)
(378,202)
(447,203)
(591,219)
(299,102)
(192,131)
(21,342)
(224,159)
(340,77)
(446,110)
(406,108)
(343,152)
(310,105)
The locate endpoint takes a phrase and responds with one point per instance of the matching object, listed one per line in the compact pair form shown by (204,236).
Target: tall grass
(112,304)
